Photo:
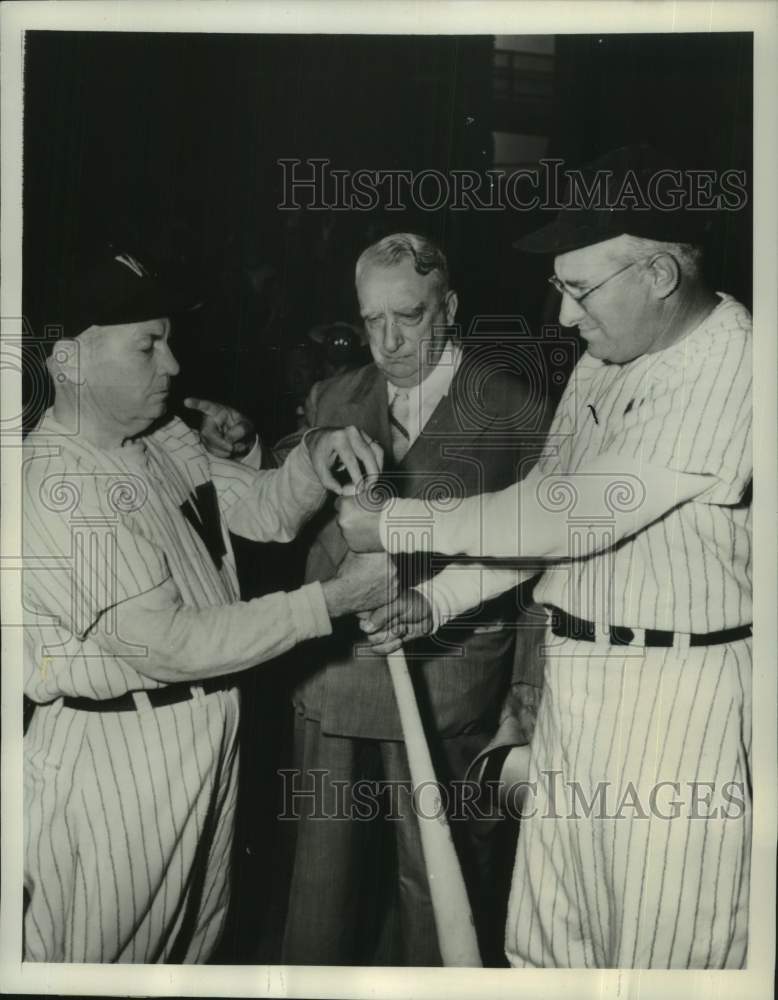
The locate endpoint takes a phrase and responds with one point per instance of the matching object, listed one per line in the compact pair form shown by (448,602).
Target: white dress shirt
(424,397)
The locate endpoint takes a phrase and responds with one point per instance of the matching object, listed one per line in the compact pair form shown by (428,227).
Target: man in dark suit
(451,422)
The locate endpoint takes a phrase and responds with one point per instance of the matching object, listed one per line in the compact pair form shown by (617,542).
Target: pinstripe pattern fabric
(118,806)
(99,528)
(637,887)
(623,885)
(687,408)
(129,815)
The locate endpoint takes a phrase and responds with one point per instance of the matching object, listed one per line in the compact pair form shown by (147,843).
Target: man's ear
(452,304)
(64,362)
(666,274)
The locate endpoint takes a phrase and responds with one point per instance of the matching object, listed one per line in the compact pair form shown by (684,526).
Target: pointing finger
(204,406)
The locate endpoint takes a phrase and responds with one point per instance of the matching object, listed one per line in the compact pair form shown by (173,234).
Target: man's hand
(360,523)
(224,432)
(408,617)
(362,582)
(346,447)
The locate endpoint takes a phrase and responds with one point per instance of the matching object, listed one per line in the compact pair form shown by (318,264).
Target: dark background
(170,143)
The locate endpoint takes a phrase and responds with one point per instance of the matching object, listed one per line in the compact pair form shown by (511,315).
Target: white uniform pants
(128,831)
(655,875)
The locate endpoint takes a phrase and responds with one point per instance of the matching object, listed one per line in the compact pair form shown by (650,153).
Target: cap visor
(560,237)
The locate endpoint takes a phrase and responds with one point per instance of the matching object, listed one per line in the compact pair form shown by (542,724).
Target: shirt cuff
(253,458)
(309,611)
(438,605)
(306,463)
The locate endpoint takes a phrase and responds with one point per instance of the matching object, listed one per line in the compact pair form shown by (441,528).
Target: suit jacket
(481,437)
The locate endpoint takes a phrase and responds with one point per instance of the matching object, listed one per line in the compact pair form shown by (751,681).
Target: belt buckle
(626,635)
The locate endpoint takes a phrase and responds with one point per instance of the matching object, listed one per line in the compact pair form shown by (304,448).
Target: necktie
(399,413)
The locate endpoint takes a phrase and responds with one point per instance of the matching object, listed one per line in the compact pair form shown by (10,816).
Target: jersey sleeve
(269,505)
(262,504)
(80,558)
(696,417)
(461,588)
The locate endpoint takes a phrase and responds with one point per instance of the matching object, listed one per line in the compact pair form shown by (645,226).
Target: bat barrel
(451,907)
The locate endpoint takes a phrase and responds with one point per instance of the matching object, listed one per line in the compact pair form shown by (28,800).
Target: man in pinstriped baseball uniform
(635,849)
(133,625)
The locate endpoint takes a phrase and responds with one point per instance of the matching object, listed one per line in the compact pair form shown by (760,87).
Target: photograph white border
(399,17)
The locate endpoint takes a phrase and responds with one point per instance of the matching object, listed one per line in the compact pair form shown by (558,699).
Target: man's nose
(168,364)
(570,312)
(393,337)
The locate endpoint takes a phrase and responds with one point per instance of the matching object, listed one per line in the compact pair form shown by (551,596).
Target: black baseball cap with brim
(619,179)
(116,287)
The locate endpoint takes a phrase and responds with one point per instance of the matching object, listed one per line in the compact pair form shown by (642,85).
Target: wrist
(404,526)
(335,597)
(310,612)
(437,616)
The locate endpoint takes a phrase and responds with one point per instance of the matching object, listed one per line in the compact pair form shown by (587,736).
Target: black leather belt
(171,694)
(569,627)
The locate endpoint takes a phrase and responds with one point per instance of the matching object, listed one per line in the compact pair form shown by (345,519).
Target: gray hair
(688,255)
(426,256)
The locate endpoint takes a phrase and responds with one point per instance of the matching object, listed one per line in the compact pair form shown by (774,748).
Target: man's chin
(400,374)
(156,416)
(158,406)
(596,347)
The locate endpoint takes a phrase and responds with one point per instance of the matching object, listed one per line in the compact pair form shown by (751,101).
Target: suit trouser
(335,855)
(635,851)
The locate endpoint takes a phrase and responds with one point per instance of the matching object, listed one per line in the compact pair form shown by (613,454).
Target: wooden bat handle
(451,907)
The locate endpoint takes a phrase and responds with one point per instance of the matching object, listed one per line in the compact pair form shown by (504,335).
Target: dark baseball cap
(619,193)
(116,286)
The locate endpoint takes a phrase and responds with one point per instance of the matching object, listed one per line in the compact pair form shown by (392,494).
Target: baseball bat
(451,907)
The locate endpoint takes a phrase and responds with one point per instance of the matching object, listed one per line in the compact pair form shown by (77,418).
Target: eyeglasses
(564,290)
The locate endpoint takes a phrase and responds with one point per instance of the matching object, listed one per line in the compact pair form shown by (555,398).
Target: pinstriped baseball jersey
(687,408)
(620,888)
(645,880)
(121,536)
(128,815)
(101,527)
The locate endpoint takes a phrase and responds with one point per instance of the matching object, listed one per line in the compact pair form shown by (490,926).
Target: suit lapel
(445,427)
(369,404)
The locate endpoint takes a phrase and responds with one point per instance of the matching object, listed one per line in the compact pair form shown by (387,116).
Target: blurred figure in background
(341,348)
